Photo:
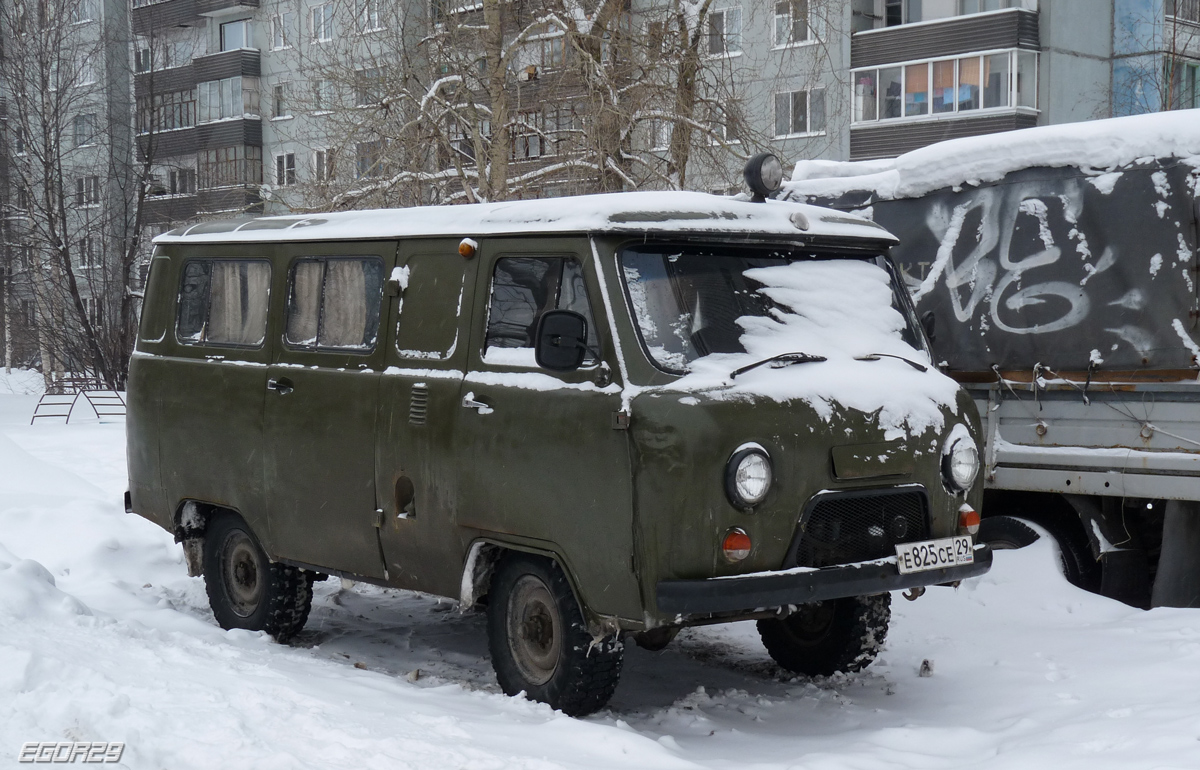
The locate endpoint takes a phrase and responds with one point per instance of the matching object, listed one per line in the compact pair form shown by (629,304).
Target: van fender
(190,523)
(485,553)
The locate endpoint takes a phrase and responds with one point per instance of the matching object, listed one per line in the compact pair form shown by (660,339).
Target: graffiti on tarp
(1062,267)
(973,279)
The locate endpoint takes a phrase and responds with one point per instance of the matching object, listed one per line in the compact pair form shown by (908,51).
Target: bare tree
(72,177)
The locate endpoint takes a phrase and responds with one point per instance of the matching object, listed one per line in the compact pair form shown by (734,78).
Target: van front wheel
(245,589)
(825,637)
(539,642)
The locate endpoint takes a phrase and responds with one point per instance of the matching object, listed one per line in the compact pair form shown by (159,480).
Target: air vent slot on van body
(418,404)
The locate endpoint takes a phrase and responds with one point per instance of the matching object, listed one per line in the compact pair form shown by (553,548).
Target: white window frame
(810,31)
(83,12)
(369,20)
(956,113)
(321,19)
(87,191)
(87,122)
(282,27)
(285,169)
(279,98)
(247,35)
(727,51)
(808,113)
(324,165)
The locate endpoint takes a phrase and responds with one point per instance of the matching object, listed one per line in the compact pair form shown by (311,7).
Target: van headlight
(960,460)
(748,476)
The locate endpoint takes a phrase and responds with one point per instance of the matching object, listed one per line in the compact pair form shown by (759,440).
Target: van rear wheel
(245,589)
(822,638)
(539,642)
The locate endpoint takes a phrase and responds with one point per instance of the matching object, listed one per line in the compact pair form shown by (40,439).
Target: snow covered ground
(104,637)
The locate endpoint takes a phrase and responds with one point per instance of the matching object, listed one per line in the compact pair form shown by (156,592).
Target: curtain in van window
(239,292)
(305,306)
(344,320)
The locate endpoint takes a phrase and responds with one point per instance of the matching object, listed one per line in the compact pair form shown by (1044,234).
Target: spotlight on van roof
(764,175)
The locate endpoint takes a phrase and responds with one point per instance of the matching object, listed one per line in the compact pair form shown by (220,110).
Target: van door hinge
(620,420)
(377,518)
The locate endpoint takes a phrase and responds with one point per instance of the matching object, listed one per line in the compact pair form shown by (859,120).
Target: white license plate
(934,554)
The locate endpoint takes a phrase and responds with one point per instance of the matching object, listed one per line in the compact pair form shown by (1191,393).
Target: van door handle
(469,402)
(282,386)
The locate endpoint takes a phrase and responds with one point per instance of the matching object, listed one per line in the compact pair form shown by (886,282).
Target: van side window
(334,303)
(522,289)
(224,302)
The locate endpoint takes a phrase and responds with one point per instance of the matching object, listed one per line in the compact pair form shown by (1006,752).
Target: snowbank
(1099,145)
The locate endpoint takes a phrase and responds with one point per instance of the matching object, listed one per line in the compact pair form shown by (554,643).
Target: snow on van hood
(1096,145)
(632,212)
(842,310)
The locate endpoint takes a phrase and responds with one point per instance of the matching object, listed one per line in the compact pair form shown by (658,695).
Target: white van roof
(632,212)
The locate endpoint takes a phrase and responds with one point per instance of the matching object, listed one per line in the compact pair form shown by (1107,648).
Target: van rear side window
(224,302)
(334,303)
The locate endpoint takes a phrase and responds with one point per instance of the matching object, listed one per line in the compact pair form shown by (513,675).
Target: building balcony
(890,140)
(245,62)
(149,16)
(1012,28)
(214,7)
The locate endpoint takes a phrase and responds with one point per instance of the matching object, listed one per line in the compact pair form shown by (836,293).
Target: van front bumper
(763,591)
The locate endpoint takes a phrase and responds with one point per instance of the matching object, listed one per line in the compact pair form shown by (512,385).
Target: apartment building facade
(67,182)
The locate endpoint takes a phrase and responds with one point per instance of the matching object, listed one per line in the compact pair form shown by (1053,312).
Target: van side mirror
(927,319)
(560,343)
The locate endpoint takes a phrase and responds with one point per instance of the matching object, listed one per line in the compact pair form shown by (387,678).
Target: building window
(282,25)
(1183,85)
(322,23)
(229,98)
(658,133)
(323,165)
(369,16)
(93,308)
(89,255)
(85,69)
(946,86)
(229,166)
(166,112)
(182,181)
(553,51)
(368,86)
(792,22)
(285,169)
(323,95)
(85,129)
(563,127)
(722,125)
(1188,10)
(800,112)
(87,191)
(279,101)
(527,136)
(236,35)
(725,31)
(83,10)
(369,159)
(19,141)
(966,7)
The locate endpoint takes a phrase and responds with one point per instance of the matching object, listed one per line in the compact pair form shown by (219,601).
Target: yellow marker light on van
(736,545)
(467,247)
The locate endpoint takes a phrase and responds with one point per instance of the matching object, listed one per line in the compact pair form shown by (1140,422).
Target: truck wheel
(539,642)
(1005,533)
(830,636)
(245,589)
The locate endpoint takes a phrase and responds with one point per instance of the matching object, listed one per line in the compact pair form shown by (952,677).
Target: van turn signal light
(968,519)
(467,247)
(736,545)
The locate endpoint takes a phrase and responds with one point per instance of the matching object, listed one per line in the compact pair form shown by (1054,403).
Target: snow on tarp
(1071,246)
(840,310)
(633,212)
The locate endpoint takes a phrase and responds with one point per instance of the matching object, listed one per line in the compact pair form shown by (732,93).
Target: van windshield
(692,301)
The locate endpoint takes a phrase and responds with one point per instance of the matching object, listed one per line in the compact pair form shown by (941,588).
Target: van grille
(418,405)
(847,527)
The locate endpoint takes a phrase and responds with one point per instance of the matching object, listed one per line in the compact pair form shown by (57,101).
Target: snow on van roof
(632,212)
(1097,145)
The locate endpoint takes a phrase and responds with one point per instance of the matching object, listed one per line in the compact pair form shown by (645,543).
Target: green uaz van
(603,417)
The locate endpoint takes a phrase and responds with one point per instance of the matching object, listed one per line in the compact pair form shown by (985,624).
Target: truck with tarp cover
(1055,269)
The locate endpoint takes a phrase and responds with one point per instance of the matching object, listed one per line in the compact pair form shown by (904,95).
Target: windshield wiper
(780,361)
(877,356)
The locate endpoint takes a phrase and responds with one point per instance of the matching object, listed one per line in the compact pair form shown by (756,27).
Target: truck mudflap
(767,590)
